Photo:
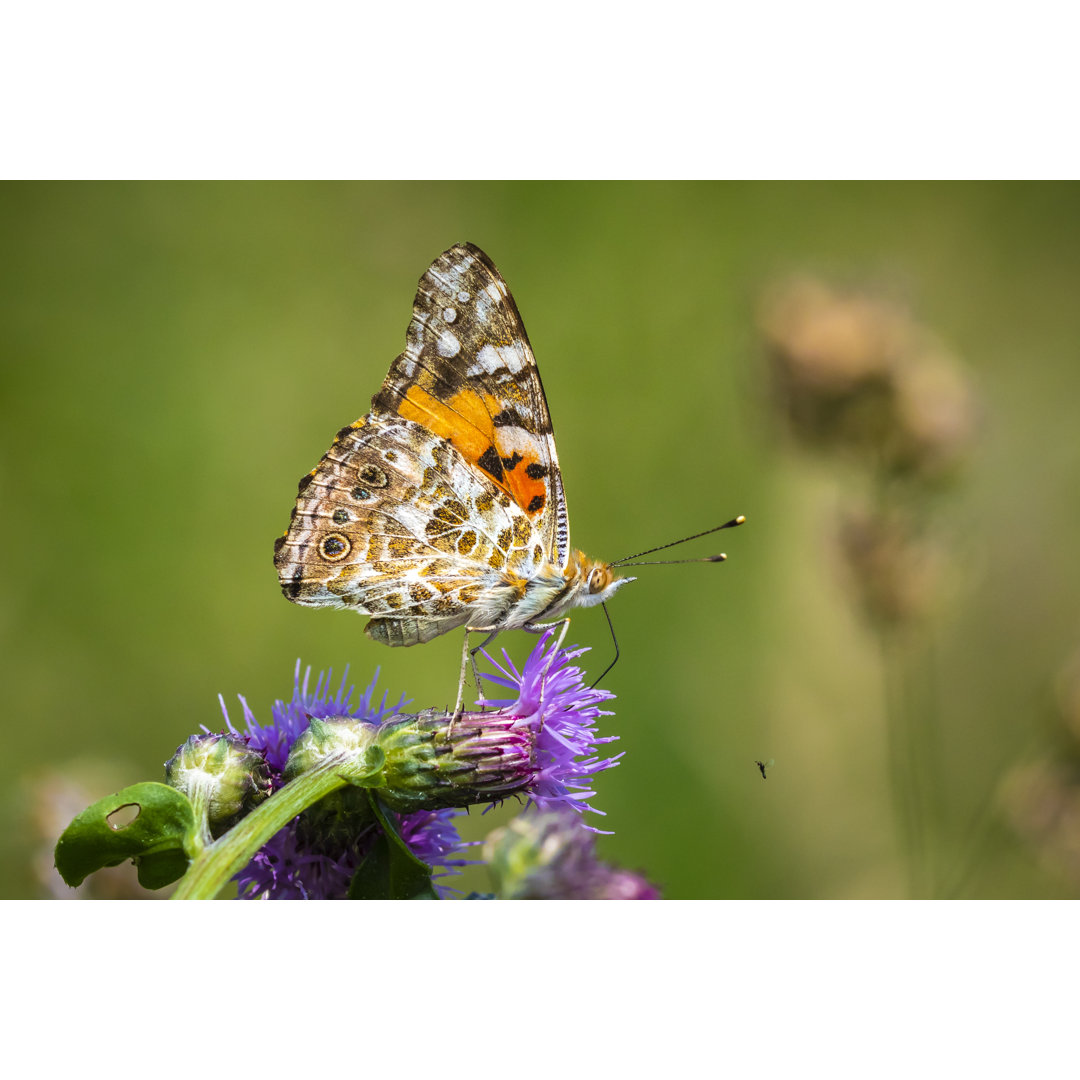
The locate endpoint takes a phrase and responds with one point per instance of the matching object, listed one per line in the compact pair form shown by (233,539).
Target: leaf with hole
(150,823)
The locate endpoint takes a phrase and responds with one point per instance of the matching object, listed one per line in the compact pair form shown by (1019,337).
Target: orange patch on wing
(531,495)
(466,421)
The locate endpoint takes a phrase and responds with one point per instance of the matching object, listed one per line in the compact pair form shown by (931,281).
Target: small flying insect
(763,765)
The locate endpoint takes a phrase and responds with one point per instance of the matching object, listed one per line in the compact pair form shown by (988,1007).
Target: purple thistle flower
(540,743)
(287,868)
(284,869)
(290,718)
(556,704)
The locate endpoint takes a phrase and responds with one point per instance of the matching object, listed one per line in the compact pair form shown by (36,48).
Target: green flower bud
(347,746)
(551,856)
(222,776)
(435,761)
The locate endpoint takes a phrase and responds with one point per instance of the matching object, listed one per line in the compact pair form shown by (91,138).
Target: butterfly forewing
(468,374)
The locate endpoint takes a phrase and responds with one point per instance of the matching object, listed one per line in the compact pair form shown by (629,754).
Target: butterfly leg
(472,657)
(539,628)
(469,656)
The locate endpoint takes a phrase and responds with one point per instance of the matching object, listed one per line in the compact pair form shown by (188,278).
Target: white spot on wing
(494,292)
(514,438)
(482,304)
(492,359)
(487,360)
(449,314)
(464,297)
(448,344)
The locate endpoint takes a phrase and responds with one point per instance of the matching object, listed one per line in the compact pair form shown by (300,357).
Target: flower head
(551,856)
(294,865)
(853,371)
(554,702)
(289,719)
(539,744)
(222,775)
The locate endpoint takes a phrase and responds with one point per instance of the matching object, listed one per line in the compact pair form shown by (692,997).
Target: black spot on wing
(373,475)
(510,417)
(491,463)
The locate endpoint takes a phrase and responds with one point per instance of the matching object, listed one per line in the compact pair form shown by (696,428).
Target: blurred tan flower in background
(857,382)
(853,372)
(1041,799)
(53,798)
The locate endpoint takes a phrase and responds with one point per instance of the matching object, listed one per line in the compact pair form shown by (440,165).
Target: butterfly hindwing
(395,522)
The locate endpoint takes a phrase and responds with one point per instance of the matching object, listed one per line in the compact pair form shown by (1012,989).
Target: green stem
(216,865)
(894,730)
(912,785)
(928,757)
(200,795)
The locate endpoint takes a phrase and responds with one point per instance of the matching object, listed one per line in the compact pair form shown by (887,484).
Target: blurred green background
(176,356)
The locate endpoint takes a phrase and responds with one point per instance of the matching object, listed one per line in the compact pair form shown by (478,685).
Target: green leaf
(391,871)
(162,868)
(153,824)
(387,875)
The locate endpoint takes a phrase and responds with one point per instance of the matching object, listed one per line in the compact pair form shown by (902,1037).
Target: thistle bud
(435,760)
(347,743)
(551,856)
(221,775)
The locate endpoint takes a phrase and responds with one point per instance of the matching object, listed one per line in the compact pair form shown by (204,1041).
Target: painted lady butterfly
(444,506)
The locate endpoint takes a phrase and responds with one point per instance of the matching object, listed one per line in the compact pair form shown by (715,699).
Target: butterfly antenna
(674,562)
(625,561)
(615,642)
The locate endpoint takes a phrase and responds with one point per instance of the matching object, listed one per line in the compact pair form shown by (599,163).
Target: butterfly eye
(599,579)
(334,547)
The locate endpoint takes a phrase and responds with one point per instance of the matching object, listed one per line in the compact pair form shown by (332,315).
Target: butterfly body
(443,507)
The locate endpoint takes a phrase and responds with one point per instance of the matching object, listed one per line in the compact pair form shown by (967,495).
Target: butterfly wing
(393,522)
(435,509)
(468,375)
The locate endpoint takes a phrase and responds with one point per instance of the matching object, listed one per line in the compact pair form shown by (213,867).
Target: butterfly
(443,507)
